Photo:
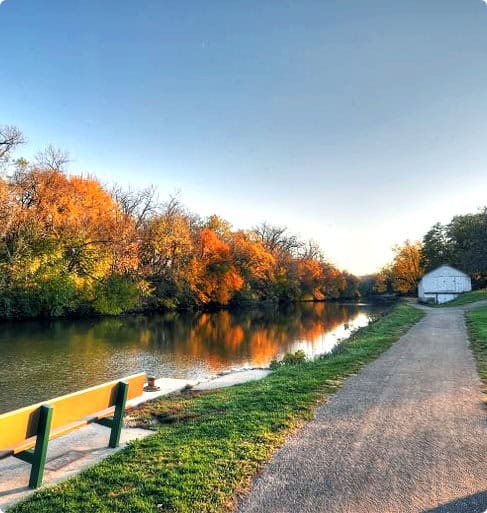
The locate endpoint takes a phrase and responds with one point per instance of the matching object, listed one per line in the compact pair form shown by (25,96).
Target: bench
(25,433)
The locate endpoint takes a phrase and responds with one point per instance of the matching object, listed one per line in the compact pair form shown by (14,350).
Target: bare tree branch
(312,251)
(52,158)
(138,204)
(277,240)
(10,138)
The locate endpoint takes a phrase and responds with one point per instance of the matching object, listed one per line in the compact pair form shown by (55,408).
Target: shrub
(49,295)
(289,359)
(56,295)
(294,358)
(115,295)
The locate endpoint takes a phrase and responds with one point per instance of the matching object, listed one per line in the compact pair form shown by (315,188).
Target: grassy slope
(477,328)
(465,299)
(217,441)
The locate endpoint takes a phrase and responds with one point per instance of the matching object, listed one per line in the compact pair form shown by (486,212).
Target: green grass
(465,299)
(477,328)
(215,442)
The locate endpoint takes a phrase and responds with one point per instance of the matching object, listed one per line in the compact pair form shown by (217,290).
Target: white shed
(443,284)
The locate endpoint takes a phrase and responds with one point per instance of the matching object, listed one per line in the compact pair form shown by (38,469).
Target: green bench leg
(40,450)
(117,423)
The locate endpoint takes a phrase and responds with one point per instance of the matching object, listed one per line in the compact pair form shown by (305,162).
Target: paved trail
(406,435)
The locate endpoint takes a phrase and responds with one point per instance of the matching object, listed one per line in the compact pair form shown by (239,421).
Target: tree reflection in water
(44,359)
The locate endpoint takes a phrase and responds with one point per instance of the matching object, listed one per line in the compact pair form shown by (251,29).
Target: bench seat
(30,443)
(25,433)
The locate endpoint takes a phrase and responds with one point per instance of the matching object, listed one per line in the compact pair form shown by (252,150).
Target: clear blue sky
(356,123)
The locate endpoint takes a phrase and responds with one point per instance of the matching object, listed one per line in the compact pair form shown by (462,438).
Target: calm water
(40,360)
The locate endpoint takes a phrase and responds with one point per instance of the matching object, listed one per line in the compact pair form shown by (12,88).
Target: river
(44,359)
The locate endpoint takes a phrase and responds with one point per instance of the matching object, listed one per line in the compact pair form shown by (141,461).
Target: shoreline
(250,305)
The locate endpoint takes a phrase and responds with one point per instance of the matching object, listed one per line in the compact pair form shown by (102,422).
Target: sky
(358,124)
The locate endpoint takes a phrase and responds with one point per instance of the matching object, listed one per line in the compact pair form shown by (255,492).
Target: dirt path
(408,434)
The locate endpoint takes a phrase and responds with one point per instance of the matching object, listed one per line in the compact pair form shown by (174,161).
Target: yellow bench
(25,433)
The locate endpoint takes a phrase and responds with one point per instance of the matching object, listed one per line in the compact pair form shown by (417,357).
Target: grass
(468,297)
(477,329)
(208,446)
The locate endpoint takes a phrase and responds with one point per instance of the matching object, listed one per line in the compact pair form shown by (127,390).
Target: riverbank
(208,445)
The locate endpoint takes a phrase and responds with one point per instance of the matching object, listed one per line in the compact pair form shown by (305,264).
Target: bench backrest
(19,425)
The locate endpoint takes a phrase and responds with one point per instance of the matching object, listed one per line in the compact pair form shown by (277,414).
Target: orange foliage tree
(255,264)
(214,277)
(311,277)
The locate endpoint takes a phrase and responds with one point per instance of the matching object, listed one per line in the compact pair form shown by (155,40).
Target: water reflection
(44,359)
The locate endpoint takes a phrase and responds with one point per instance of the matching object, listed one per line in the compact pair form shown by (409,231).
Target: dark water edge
(45,358)
(196,309)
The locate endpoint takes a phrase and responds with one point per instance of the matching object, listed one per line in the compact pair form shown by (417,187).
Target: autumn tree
(140,205)
(79,214)
(277,240)
(214,277)
(311,277)
(380,283)
(333,283)
(7,208)
(70,244)
(64,235)
(311,250)
(285,248)
(220,226)
(254,263)
(405,269)
(167,253)
(351,289)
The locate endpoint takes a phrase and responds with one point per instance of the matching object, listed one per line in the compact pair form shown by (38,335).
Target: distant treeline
(71,246)
(461,243)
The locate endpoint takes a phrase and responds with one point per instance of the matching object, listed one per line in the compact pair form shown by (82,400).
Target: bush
(56,295)
(115,295)
(294,358)
(289,359)
(47,296)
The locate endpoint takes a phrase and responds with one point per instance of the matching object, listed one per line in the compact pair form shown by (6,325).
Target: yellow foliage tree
(405,270)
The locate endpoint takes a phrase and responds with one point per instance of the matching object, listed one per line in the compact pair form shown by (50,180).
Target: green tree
(438,248)
(468,234)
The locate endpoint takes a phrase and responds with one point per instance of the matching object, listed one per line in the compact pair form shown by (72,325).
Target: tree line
(461,243)
(72,246)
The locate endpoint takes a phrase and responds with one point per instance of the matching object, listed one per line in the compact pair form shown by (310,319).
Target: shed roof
(447,267)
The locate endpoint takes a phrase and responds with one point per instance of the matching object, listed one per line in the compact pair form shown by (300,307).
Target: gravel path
(408,434)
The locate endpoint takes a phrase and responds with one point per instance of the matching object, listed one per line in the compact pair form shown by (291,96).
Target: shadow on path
(476,503)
